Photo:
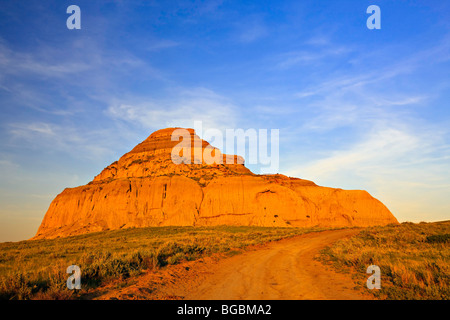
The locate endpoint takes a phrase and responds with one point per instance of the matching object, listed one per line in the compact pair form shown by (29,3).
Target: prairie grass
(414,259)
(36,269)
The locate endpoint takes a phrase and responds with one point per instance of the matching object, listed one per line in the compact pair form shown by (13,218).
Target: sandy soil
(285,269)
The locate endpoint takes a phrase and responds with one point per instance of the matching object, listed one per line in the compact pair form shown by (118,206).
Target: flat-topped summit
(146,188)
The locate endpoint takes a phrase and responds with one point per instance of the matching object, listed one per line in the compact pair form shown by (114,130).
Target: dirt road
(284,269)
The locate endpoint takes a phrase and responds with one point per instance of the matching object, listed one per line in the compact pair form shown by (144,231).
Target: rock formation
(146,188)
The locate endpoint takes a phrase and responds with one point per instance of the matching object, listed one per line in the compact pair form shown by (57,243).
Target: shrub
(15,286)
(438,238)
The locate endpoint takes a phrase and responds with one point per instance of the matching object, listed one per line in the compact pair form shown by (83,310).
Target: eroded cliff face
(145,188)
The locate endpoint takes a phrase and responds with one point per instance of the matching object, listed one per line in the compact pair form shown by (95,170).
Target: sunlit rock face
(146,188)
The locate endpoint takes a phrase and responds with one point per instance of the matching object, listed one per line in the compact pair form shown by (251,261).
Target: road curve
(280,270)
(284,269)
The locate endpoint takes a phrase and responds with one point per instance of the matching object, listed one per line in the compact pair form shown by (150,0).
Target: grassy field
(36,269)
(414,259)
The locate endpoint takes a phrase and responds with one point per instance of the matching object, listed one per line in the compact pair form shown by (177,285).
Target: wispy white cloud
(382,146)
(187,106)
(363,98)
(405,166)
(347,82)
(28,130)
(68,139)
(359,107)
(388,147)
(362,77)
(306,57)
(319,40)
(18,63)
(398,100)
(95,66)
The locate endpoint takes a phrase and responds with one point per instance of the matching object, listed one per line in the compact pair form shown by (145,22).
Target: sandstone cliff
(145,188)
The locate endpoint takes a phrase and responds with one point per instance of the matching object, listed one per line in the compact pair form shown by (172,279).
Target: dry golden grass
(36,269)
(413,258)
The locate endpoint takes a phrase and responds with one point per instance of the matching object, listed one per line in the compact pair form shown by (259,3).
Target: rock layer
(146,188)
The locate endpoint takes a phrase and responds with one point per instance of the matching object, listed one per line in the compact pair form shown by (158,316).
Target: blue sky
(356,108)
